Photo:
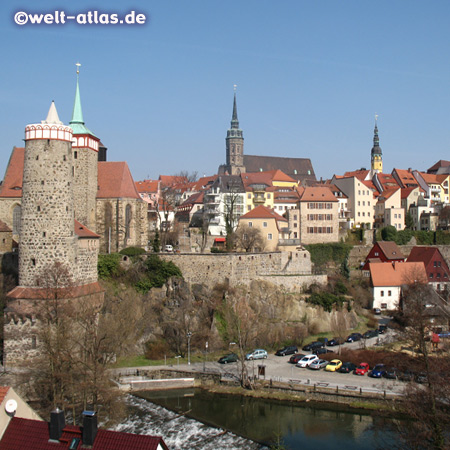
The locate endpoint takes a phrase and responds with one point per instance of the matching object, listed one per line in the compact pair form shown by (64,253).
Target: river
(298,426)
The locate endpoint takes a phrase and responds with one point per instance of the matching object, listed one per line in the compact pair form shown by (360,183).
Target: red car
(362,369)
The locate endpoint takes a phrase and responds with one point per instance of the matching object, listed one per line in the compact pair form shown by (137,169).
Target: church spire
(376,154)
(77,121)
(234,118)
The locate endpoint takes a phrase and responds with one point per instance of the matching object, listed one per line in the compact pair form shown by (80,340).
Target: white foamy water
(179,432)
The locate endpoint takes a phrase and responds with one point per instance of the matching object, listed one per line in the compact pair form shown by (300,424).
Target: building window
(269,236)
(250,224)
(431,276)
(389,293)
(75,155)
(268,196)
(249,195)
(383,306)
(295,216)
(127,221)
(264,224)
(382,293)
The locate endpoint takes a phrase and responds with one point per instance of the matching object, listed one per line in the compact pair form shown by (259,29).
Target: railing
(289,242)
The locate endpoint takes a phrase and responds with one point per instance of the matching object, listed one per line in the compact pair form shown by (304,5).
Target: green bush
(340,287)
(157,273)
(108,265)
(217,250)
(321,254)
(132,251)
(326,300)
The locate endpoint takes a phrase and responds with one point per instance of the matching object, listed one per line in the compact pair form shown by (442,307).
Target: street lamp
(189,335)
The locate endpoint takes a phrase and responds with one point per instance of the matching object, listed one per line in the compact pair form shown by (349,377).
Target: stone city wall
(289,269)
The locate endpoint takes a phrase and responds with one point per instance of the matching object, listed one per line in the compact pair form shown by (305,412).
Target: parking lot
(278,368)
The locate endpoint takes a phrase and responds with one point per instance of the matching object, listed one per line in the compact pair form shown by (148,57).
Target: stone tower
(234,146)
(85,147)
(47,222)
(376,155)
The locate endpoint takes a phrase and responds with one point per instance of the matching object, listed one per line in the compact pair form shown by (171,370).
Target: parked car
(333,365)
(362,369)
(168,248)
(347,367)
(392,373)
(230,358)
(307,360)
(370,334)
(318,364)
(256,354)
(288,350)
(421,377)
(406,375)
(378,371)
(354,337)
(294,359)
(377,311)
(322,351)
(335,341)
(382,329)
(312,346)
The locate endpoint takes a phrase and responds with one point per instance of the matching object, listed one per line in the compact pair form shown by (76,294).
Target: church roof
(297,168)
(12,183)
(115,181)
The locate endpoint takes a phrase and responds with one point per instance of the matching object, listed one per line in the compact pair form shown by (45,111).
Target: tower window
(42,182)
(44,234)
(38,208)
(64,158)
(37,157)
(33,261)
(75,155)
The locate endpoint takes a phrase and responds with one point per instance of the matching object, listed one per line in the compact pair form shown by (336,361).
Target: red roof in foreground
(29,434)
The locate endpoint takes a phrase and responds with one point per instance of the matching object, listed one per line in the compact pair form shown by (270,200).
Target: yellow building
(260,187)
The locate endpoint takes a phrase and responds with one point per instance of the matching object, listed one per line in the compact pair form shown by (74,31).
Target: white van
(168,248)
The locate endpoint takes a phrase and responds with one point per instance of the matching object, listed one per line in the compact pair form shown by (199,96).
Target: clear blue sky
(311,74)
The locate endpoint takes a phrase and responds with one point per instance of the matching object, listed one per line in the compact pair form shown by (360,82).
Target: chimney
(89,428)
(57,424)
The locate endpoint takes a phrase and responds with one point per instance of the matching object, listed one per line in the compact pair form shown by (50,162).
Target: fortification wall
(289,269)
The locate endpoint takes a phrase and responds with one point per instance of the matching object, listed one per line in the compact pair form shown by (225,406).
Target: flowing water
(228,418)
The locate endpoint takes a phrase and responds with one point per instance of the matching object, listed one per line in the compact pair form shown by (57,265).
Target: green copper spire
(77,122)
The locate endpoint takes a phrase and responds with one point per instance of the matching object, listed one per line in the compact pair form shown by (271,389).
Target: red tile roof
(390,250)
(172,180)
(115,181)
(263,212)
(406,177)
(12,183)
(147,186)
(360,174)
(433,179)
(29,434)
(397,273)
(438,165)
(3,391)
(427,255)
(317,194)
(83,232)
(3,227)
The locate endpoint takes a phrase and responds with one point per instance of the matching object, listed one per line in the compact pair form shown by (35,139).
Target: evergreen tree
(156,244)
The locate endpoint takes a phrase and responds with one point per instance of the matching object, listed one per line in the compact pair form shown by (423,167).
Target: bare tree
(427,402)
(249,238)
(339,325)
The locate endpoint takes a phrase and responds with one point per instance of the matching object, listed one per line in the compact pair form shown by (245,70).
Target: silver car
(307,360)
(318,364)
